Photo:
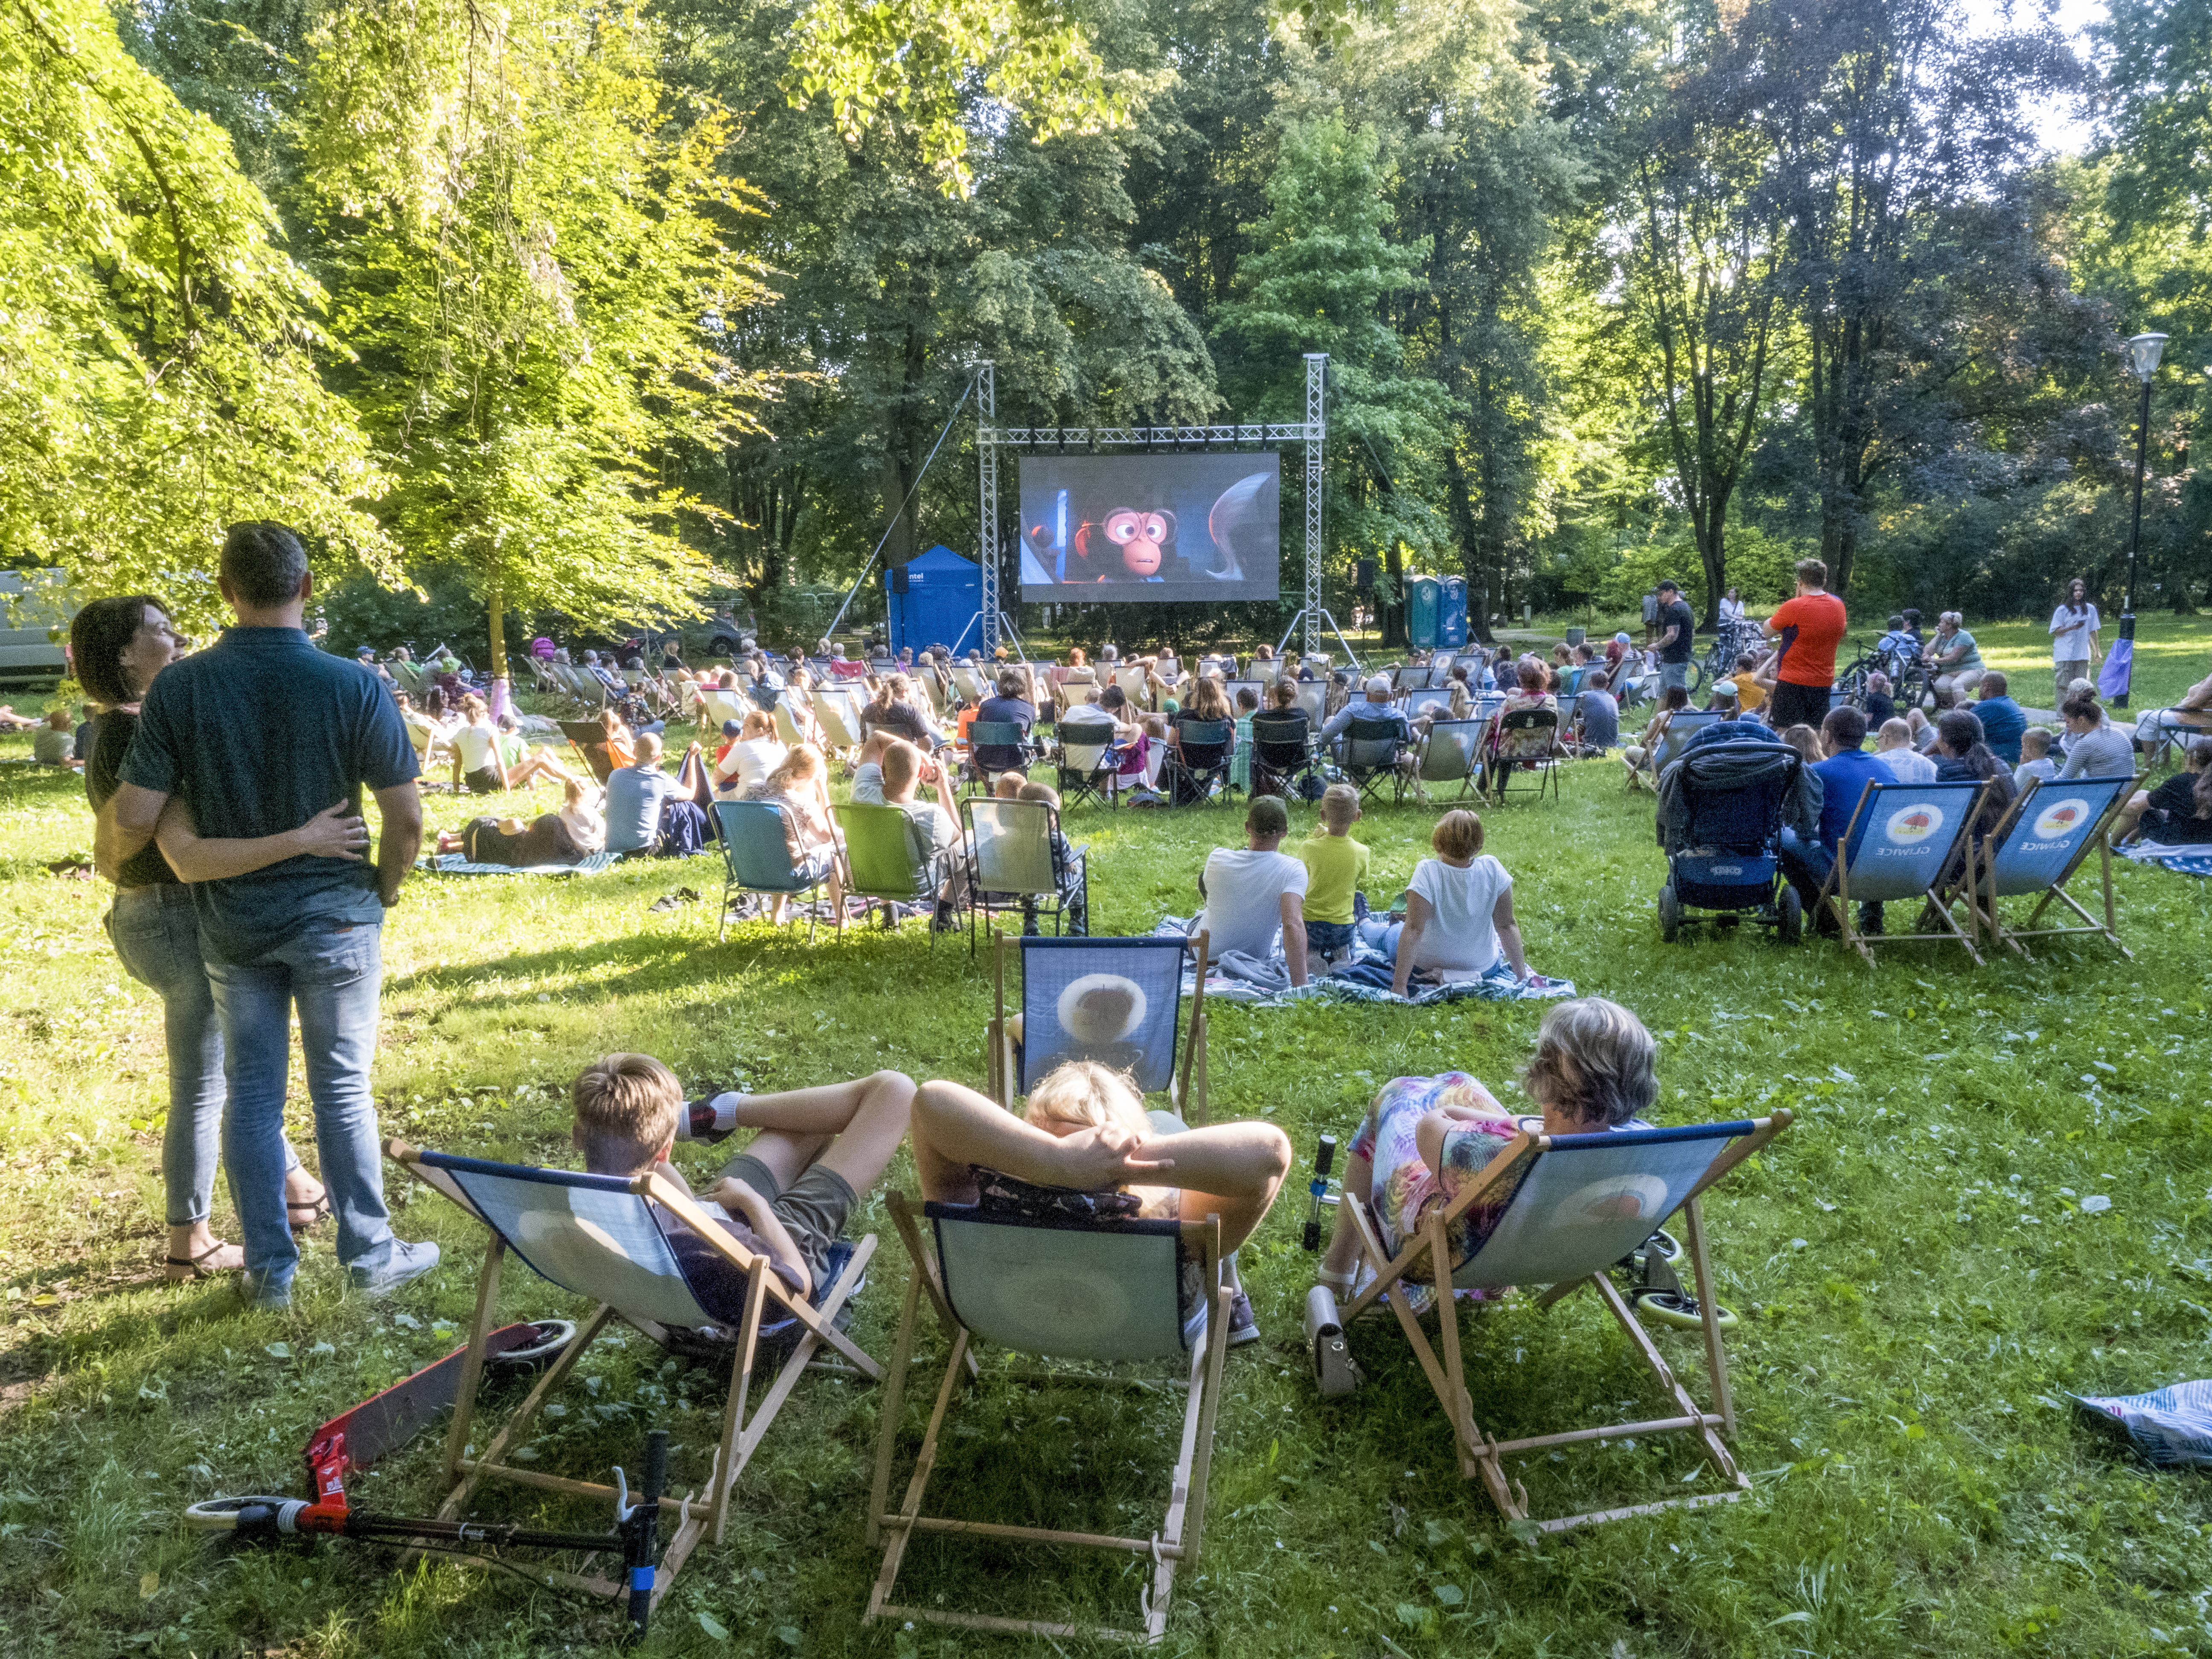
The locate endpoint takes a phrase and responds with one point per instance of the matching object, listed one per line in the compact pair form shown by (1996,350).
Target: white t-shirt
(2071,644)
(474,746)
(1461,934)
(748,764)
(1909,764)
(1244,899)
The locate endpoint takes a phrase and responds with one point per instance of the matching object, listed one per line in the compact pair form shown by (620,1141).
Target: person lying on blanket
(1594,1068)
(787,1195)
(1087,1132)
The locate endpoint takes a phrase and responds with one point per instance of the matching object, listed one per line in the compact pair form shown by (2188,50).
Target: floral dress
(1406,1189)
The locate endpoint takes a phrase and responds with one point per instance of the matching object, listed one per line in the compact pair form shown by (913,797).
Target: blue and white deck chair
(1118,1001)
(1451,752)
(601,1237)
(1682,726)
(757,858)
(1575,1206)
(1104,1292)
(1906,841)
(2037,846)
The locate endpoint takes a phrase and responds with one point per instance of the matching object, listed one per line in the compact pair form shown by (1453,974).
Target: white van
(36,608)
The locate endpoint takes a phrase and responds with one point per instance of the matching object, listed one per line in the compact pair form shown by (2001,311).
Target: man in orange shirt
(1807,630)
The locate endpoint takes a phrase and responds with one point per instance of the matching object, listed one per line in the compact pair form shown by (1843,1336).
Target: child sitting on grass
(1085,1132)
(787,1195)
(1336,868)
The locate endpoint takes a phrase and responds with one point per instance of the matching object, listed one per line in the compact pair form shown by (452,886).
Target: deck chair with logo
(1450,753)
(1524,740)
(1575,1208)
(1062,1288)
(1015,865)
(1681,726)
(605,1238)
(1906,841)
(1118,1001)
(589,739)
(2037,847)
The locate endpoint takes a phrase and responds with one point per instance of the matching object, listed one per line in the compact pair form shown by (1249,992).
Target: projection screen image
(1194,528)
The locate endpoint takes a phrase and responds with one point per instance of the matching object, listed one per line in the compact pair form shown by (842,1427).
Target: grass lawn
(1917,1277)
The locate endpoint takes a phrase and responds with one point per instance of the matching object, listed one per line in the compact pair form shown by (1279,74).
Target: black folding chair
(1188,774)
(1001,737)
(1282,753)
(1370,757)
(1086,761)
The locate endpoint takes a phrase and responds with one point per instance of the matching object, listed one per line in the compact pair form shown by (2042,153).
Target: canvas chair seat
(1525,738)
(1109,1291)
(1683,725)
(1086,766)
(1575,1205)
(757,858)
(1451,753)
(605,1238)
(1905,841)
(1118,1001)
(2037,847)
(1014,863)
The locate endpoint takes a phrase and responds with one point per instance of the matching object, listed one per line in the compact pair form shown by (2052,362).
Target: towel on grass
(453,864)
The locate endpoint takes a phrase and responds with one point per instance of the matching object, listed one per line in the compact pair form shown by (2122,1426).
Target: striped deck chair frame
(1538,1240)
(621,1210)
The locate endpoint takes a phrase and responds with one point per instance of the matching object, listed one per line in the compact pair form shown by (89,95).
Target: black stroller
(1720,817)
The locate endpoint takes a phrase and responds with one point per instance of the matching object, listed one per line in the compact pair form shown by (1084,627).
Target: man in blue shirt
(251,737)
(1598,716)
(634,797)
(1844,777)
(2002,719)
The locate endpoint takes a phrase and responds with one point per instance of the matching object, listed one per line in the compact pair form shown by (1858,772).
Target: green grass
(1917,1281)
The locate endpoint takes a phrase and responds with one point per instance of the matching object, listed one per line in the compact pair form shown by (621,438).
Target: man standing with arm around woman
(253,737)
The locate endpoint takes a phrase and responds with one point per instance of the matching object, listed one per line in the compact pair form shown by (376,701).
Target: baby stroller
(1723,836)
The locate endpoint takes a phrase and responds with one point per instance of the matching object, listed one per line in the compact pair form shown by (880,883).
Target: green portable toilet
(1424,605)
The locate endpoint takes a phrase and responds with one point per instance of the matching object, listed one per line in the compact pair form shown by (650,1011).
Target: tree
(528,237)
(1320,277)
(159,352)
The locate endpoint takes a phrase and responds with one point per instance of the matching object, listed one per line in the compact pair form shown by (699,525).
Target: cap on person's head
(1621,638)
(733,728)
(1266,816)
(365,652)
(1725,691)
(1379,683)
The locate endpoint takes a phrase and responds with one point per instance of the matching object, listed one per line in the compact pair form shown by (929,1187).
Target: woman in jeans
(117,646)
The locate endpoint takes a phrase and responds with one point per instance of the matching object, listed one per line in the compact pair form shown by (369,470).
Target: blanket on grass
(2182,860)
(453,864)
(1234,976)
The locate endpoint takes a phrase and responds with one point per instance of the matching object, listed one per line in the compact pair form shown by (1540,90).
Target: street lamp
(2143,357)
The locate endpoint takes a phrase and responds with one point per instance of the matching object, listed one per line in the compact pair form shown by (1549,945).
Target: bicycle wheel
(221,1514)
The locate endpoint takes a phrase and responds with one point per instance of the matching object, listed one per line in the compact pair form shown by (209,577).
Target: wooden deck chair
(1575,1205)
(1115,1000)
(756,859)
(1427,700)
(2037,846)
(1014,863)
(601,1237)
(1257,688)
(786,729)
(1686,724)
(839,716)
(1525,738)
(1451,753)
(1133,686)
(1100,1291)
(1405,678)
(1906,841)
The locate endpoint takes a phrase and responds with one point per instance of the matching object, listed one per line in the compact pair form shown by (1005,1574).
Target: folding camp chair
(1370,757)
(1574,1206)
(1905,841)
(1452,752)
(589,739)
(989,734)
(1186,776)
(1282,753)
(1086,763)
(881,864)
(1526,738)
(1014,865)
(2037,846)
(603,1237)
(1101,1291)
(1118,1001)
(756,859)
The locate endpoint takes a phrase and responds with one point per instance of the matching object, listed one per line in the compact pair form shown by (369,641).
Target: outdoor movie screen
(1194,528)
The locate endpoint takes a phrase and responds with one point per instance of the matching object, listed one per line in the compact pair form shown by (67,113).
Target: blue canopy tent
(933,599)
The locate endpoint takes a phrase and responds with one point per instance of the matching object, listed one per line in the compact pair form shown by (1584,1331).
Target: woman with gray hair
(1595,1069)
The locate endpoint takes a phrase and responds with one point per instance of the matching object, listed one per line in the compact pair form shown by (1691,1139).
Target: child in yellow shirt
(1336,867)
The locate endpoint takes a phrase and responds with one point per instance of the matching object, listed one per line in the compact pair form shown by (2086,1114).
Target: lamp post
(2143,357)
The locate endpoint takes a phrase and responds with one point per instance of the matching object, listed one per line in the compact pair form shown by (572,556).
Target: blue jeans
(157,936)
(1805,867)
(1329,937)
(333,973)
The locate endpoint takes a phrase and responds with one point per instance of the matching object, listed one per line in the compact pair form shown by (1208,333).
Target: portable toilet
(1451,619)
(933,599)
(1423,595)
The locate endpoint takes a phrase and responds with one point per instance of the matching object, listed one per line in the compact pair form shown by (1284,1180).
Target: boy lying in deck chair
(1086,1144)
(787,1195)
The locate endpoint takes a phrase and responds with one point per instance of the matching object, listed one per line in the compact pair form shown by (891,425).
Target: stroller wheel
(1670,913)
(552,1336)
(1791,910)
(1679,1310)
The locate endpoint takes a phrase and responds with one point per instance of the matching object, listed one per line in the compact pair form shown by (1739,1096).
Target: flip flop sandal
(317,1207)
(180,1269)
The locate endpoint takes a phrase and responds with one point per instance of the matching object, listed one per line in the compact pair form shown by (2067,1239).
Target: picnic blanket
(2171,1427)
(454,864)
(2182,860)
(1265,982)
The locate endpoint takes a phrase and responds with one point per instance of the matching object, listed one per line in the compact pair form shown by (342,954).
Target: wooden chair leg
(1693,1227)
(464,1402)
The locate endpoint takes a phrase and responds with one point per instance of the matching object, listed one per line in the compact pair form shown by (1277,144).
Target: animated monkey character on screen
(1119,542)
